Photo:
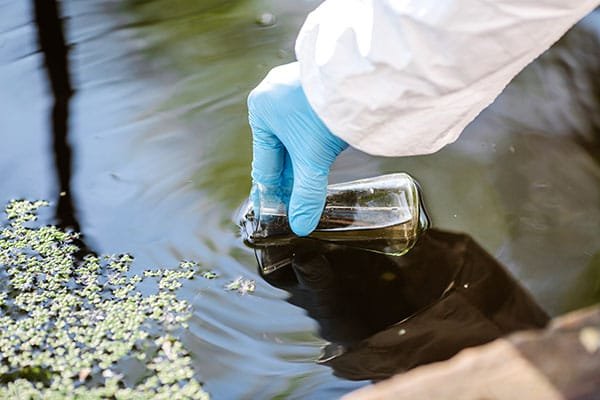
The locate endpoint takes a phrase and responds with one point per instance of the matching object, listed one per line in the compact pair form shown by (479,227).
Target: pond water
(150,155)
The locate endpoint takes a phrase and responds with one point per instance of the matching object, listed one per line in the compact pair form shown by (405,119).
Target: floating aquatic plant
(242,285)
(79,328)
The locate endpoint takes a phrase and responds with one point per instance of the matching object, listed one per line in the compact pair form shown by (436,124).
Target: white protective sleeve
(404,77)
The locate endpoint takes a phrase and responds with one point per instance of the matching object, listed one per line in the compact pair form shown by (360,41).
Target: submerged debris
(81,329)
(266,19)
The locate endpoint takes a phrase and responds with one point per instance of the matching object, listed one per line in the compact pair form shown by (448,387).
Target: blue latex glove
(292,147)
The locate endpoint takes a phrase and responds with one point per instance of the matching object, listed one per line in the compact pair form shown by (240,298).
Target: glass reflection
(383,315)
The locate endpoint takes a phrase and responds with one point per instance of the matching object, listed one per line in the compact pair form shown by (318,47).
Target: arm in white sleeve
(404,77)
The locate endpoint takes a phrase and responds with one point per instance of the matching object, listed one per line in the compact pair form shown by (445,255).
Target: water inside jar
(384,214)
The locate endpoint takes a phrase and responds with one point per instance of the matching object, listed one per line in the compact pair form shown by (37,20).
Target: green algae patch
(79,328)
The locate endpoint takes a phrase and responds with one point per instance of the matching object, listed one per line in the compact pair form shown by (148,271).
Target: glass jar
(384,214)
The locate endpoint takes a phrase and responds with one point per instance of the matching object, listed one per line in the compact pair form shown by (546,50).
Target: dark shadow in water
(53,46)
(385,315)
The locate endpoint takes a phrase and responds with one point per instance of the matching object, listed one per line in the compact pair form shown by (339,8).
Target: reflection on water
(52,44)
(161,150)
(384,315)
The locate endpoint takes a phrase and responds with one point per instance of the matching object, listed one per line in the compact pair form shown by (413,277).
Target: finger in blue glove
(292,147)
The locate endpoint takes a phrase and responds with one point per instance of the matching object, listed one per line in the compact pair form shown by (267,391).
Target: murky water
(151,153)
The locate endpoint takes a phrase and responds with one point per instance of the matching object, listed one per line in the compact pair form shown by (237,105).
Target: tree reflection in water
(52,44)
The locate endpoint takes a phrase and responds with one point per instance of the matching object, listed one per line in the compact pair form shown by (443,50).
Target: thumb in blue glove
(292,147)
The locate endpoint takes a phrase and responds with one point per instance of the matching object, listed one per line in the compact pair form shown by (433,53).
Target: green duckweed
(242,285)
(79,328)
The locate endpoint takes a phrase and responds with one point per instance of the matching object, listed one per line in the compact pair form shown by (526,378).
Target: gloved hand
(291,145)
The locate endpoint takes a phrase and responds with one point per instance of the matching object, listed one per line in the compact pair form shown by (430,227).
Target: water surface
(154,158)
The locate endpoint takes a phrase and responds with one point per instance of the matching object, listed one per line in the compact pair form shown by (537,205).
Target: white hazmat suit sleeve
(404,77)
